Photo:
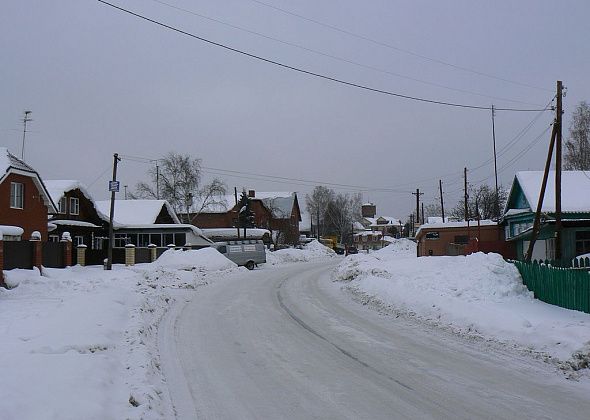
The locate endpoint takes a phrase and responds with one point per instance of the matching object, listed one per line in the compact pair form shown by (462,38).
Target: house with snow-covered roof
(278,212)
(145,222)
(76,214)
(519,214)
(24,199)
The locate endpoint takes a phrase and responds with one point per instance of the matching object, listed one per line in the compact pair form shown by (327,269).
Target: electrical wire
(392,47)
(334,57)
(311,73)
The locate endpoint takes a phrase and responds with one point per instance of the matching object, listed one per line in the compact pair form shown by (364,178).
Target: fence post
(129,254)
(37,249)
(153,252)
(66,239)
(2,284)
(81,254)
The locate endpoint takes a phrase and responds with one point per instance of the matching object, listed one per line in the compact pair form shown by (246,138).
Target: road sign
(114,186)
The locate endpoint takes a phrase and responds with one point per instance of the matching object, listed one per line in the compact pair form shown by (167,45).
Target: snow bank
(479,294)
(206,259)
(313,251)
(81,342)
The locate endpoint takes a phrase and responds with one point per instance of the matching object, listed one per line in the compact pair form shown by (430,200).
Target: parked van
(248,253)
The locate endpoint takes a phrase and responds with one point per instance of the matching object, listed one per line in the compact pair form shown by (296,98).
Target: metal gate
(53,254)
(18,254)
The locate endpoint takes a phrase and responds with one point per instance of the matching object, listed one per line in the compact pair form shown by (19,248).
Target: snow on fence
(565,287)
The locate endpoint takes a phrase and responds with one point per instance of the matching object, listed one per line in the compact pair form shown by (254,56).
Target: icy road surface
(287,343)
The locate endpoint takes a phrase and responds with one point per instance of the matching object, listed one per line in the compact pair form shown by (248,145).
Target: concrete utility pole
(26,119)
(442,201)
(109,266)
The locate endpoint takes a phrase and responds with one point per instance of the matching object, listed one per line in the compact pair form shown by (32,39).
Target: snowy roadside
(82,342)
(479,295)
(311,252)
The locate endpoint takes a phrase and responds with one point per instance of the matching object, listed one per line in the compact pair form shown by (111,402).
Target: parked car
(339,249)
(245,253)
(353,250)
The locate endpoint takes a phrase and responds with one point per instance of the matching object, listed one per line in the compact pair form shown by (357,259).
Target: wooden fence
(565,287)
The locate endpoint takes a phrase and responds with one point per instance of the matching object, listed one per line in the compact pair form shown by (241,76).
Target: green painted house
(521,205)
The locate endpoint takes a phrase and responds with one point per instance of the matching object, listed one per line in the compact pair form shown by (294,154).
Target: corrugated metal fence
(565,287)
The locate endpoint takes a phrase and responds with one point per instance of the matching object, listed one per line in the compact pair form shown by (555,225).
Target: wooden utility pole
(537,221)
(423,213)
(497,201)
(442,201)
(558,144)
(418,194)
(466,196)
(112,213)
(238,219)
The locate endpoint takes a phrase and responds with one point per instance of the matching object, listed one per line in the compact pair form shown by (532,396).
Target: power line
(402,50)
(334,57)
(310,73)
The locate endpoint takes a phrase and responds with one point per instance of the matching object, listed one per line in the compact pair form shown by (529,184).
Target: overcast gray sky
(99,81)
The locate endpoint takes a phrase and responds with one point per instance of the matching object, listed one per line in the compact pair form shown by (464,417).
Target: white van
(247,253)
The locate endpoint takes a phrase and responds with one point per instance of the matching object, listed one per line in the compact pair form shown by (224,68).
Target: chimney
(251,193)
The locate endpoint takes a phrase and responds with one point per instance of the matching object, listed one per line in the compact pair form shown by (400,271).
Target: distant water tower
(369,210)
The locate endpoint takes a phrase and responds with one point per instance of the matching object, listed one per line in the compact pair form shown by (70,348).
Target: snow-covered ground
(479,294)
(81,343)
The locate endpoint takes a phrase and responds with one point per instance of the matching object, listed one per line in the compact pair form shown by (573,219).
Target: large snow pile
(313,251)
(479,294)
(206,259)
(81,343)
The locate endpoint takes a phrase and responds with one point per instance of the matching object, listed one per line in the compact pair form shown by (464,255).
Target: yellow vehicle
(329,242)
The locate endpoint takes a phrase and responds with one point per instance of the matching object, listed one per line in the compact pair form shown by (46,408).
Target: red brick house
(277,212)
(24,199)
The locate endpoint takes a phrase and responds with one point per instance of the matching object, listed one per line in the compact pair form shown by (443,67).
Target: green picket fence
(565,287)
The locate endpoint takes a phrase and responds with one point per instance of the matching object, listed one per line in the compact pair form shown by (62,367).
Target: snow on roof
(450,225)
(136,212)
(8,160)
(79,223)
(11,230)
(575,190)
(58,187)
(231,233)
(391,221)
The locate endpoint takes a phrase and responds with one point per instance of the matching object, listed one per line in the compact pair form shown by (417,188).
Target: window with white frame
(61,207)
(74,206)
(78,240)
(53,238)
(17,195)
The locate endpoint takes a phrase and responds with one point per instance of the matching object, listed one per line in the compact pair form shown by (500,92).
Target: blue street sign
(114,186)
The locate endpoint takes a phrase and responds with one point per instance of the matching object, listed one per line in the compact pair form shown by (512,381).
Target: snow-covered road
(286,342)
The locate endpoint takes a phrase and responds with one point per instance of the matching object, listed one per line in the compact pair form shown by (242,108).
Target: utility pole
(113,190)
(466,195)
(125,186)
(411,225)
(238,219)
(442,201)
(157,181)
(26,119)
(417,194)
(497,203)
(423,213)
(558,143)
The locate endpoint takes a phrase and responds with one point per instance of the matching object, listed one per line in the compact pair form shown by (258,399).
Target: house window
(432,235)
(74,206)
(78,240)
(121,240)
(17,195)
(53,238)
(582,242)
(62,205)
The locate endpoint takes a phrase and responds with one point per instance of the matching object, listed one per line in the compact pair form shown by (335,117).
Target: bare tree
(317,205)
(482,201)
(577,156)
(178,180)
(342,212)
